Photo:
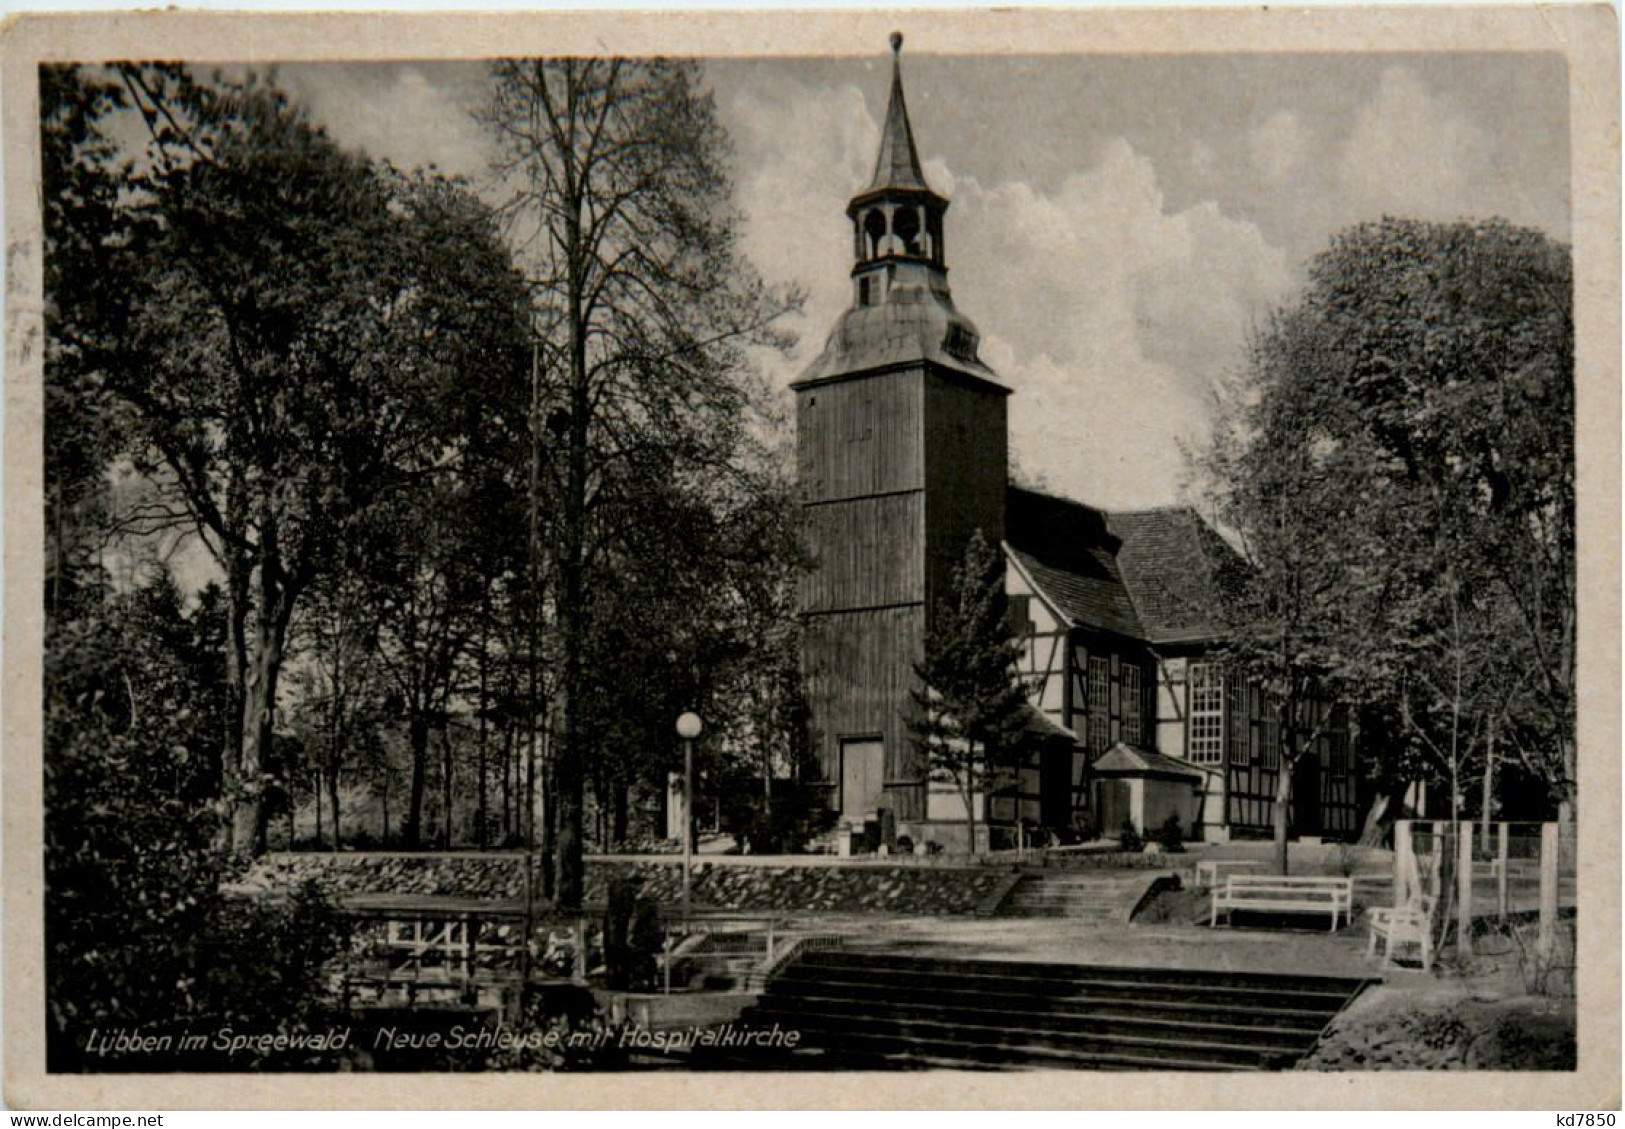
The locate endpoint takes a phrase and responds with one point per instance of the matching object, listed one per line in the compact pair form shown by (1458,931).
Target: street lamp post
(688,728)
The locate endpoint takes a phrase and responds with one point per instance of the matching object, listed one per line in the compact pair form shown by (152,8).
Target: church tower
(901,445)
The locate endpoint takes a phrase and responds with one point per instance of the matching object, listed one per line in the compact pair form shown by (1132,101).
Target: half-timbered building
(902,454)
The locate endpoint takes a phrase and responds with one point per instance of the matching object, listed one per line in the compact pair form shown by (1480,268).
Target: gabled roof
(1125,760)
(1176,567)
(898,163)
(1155,575)
(1069,553)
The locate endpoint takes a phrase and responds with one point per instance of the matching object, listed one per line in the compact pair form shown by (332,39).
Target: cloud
(394,113)
(1109,314)
(1412,153)
(1278,146)
(801,155)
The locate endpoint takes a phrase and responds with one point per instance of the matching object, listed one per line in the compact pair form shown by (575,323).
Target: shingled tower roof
(902,312)
(898,163)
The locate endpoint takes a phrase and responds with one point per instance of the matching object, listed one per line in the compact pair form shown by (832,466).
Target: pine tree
(971,710)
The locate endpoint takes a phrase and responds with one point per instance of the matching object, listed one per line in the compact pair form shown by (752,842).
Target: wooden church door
(863,777)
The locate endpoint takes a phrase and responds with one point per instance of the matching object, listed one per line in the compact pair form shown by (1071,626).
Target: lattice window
(1269,736)
(1133,706)
(1100,703)
(1238,718)
(1338,758)
(1206,714)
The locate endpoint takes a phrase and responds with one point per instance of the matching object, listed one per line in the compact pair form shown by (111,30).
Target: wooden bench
(1410,924)
(1273,893)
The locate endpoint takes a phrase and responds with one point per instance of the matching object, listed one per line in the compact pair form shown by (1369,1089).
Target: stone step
(1243,1011)
(879,1009)
(956,1031)
(1092,1022)
(1123,988)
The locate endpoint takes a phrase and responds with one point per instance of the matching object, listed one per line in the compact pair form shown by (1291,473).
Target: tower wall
(966,465)
(861,471)
(896,470)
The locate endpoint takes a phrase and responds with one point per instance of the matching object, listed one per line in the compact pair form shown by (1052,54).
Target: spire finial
(898,165)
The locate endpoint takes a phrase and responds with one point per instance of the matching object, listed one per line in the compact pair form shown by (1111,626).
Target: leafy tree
(971,710)
(646,310)
(1287,601)
(137,932)
(85,307)
(1396,466)
(298,326)
(340,701)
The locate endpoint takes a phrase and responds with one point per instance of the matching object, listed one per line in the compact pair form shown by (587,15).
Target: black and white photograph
(910,554)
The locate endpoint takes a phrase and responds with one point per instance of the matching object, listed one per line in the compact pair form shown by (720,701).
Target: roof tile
(1152,574)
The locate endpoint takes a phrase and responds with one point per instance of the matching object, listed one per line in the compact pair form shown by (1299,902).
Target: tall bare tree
(622,203)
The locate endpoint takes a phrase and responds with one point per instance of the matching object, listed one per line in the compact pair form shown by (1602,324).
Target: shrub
(1128,839)
(905,845)
(1170,836)
(780,824)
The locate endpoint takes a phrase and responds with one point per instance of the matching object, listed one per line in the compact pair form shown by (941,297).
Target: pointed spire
(898,165)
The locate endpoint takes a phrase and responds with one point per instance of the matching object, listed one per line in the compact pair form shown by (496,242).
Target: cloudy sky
(1118,223)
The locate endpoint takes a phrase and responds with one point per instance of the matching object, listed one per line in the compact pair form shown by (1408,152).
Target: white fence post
(1502,859)
(1464,889)
(1548,890)
(1402,855)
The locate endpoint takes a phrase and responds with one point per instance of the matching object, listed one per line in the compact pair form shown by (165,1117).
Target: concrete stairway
(1101,897)
(856,1010)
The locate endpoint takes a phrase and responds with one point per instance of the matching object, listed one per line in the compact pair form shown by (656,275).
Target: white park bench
(1409,924)
(1274,893)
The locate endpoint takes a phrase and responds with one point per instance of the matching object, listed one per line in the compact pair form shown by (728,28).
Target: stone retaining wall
(856,888)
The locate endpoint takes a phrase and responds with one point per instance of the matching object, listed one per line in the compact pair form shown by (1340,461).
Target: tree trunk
(259,717)
(622,812)
(566,795)
(541,775)
(1372,831)
(445,782)
(970,801)
(418,735)
(1565,806)
(238,577)
(316,797)
(508,784)
(481,806)
(231,749)
(1283,804)
(333,801)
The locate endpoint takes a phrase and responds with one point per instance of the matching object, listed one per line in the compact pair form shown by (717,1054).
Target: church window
(1133,706)
(1238,717)
(1206,744)
(1100,703)
(1021,615)
(1269,737)
(1338,753)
